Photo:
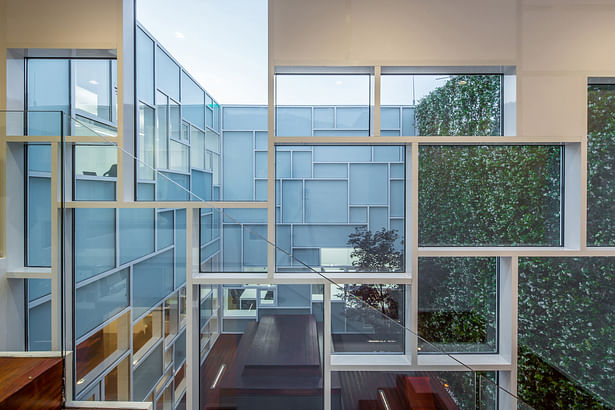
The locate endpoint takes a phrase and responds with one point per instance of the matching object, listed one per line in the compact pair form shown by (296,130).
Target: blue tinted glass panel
(260,193)
(283,242)
(180,350)
(292,201)
(368,184)
(145,192)
(136,233)
(330,171)
(202,185)
(352,117)
(193,102)
(172,187)
(234,215)
(341,133)
(397,198)
(39,157)
(334,153)
(310,257)
(38,288)
(294,121)
(92,190)
(378,219)
(180,247)
(282,164)
(48,90)
(147,374)
(255,246)
(326,201)
(334,236)
(244,118)
(389,117)
(389,133)
(238,157)
(145,68)
(324,117)
(167,74)
(397,171)
(302,164)
(294,295)
(408,128)
(386,154)
(260,167)
(152,281)
(39,221)
(94,242)
(99,301)
(165,229)
(261,140)
(39,327)
(232,248)
(358,215)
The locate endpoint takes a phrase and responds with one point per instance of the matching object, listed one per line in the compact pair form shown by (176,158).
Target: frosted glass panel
(165,229)
(255,246)
(294,295)
(180,247)
(260,193)
(201,186)
(147,374)
(326,201)
(39,157)
(48,90)
(282,164)
(244,118)
(193,102)
(99,301)
(92,190)
(389,117)
(238,157)
(352,117)
(386,154)
(94,242)
(302,164)
(39,327)
(293,121)
(152,281)
(145,67)
(38,288)
(39,222)
(397,198)
(197,148)
(260,167)
(330,170)
(178,156)
(378,219)
(172,187)
(167,74)
(292,201)
(232,248)
(358,215)
(136,233)
(333,153)
(145,142)
(368,184)
(324,117)
(261,140)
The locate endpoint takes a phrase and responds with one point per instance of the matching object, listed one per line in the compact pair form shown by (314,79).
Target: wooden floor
(30,383)
(222,353)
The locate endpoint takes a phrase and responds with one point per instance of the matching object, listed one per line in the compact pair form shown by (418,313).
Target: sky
(223,45)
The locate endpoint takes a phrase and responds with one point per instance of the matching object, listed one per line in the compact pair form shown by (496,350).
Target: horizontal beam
(164,204)
(512,251)
(29,273)
(219,278)
(422,140)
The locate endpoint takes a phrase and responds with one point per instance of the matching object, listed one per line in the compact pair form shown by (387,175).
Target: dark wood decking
(30,383)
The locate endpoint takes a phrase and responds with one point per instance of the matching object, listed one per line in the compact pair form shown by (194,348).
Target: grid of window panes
(178,130)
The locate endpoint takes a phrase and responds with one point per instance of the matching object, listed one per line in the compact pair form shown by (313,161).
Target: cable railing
(374,319)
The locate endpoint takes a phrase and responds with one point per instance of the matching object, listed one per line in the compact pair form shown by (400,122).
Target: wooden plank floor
(30,383)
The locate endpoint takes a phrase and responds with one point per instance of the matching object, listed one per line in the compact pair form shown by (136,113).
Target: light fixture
(93,82)
(179,34)
(338,82)
(81,381)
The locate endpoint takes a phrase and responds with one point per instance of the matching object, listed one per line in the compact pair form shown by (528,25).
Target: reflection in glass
(457,307)
(145,143)
(93,87)
(367,318)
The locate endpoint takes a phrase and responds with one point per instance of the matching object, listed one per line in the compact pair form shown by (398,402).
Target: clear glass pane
(490,195)
(464,104)
(145,143)
(178,156)
(457,308)
(193,102)
(145,67)
(93,88)
(368,319)
(321,197)
(162,131)
(48,90)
